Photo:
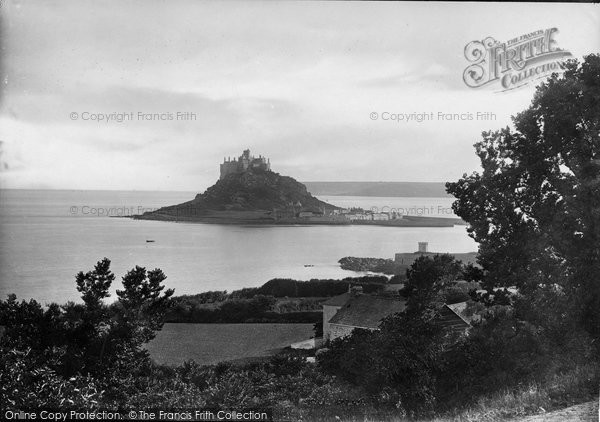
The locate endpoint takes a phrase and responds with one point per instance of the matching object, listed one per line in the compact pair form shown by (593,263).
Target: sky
(298,82)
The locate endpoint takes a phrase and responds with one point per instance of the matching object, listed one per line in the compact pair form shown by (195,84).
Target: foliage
(94,285)
(397,365)
(259,304)
(535,208)
(298,305)
(285,287)
(376,265)
(209,297)
(88,357)
(555,391)
(257,309)
(535,212)
(427,277)
(27,383)
(318,328)
(71,351)
(283,383)
(456,294)
(504,350)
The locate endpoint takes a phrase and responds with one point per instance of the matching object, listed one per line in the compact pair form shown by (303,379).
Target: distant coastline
(379,189)
(366,189)
(264,218)
(248,192)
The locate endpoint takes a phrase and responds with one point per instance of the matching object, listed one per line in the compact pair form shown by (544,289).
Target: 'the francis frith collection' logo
(513,63)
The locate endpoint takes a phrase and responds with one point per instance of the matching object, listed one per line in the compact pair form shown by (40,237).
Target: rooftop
(459,309)
(339,300)
(367,311)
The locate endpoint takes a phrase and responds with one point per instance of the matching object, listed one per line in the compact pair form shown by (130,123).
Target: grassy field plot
(213,343)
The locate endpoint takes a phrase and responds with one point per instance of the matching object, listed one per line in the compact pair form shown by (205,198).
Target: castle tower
(243,163)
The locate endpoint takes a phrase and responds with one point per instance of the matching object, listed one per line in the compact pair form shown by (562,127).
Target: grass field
(212,343)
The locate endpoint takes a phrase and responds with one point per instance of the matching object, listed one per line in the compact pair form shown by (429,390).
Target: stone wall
(328,313)
(337,331)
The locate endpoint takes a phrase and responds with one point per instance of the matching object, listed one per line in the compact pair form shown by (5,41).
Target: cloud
(295,81)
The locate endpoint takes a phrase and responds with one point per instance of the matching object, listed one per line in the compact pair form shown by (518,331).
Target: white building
(381,216)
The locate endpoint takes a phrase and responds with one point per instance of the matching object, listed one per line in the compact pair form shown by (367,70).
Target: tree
(427,277)
(89,338)
(86,326)
(398,364)
(535,207)
(141,308)
(94,284)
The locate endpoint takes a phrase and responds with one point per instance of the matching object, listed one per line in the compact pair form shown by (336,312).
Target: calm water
(46,237)
(426,207)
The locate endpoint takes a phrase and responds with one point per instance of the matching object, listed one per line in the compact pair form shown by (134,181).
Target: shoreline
(262,219)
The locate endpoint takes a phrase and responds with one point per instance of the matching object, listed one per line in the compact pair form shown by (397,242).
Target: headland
(248,192)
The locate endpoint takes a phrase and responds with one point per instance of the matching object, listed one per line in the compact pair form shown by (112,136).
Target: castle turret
(243,163)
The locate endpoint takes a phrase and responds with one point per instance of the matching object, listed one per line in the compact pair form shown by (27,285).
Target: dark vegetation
(302,302)
(71,355)
(535,211)
(258,309)
(281,287)
(257,190)
(376,265)
(253,190)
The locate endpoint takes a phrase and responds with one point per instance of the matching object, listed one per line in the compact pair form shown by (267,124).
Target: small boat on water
(308,265)
(149,241)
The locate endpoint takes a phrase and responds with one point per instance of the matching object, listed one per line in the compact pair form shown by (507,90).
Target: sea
(48,236)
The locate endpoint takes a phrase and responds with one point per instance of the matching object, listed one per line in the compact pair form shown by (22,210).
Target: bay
(47,236)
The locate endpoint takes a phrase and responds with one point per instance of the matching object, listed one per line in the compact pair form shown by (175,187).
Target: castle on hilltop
(243,163)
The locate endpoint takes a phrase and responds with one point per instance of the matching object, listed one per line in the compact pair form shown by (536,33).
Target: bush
(27,384)
(67,354)
(397,365)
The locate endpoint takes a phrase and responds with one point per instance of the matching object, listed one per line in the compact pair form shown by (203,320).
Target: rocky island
(249,192)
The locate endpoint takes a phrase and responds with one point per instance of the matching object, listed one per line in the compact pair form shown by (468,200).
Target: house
(314,212)
(378,216)
(358,311)
(453,318)
(358,216)
(343,313)
(330,308)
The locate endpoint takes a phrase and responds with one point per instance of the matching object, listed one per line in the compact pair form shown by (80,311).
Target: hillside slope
(251,194)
